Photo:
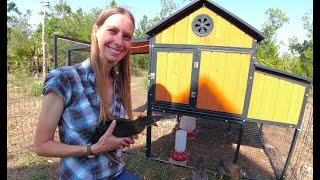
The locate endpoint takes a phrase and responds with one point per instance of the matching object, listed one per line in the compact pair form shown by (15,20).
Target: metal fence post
(55,51)
(236,157)
(293,144)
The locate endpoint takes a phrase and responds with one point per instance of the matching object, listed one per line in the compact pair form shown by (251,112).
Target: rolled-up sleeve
(56,82)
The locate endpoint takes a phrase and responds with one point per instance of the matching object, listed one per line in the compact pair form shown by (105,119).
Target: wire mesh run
(263,152)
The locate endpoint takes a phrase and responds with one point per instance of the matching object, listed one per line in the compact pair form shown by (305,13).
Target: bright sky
(251,11)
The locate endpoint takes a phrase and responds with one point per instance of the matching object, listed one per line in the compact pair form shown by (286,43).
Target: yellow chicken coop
(202,63)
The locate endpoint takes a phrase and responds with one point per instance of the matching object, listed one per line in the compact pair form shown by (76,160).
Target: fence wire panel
(71,52)
(22,112)
(24,97)
(277,143)
(77,56)
(301,164)
(23,108)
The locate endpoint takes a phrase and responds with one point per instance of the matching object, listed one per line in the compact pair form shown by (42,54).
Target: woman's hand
(134,137)
(108,142)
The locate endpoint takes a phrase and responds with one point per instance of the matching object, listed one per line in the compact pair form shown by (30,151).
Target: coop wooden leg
(238,145)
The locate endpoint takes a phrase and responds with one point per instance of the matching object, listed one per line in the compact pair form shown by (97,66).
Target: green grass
(11,127)
(151,169)
(310,99)
(13,142)
(41,173)
(30,85)
(28,159)
(145,83)
(30,166)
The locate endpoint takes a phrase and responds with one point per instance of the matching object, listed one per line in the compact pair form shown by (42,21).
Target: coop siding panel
(209,39)
(213,81)
(180,31)
(185,78)
(282,105)
(173,77)
(158,38)
(203,85)
(256,95)
(229,88)
(167,35)
(216,79)
(238,38)
(227,91)
(192,37)
(269,96)
(219,84)
(247,40)
(230,34)
(295,104)
(223,34)
(221,29)
(242,82)
(275,99)
(161,78)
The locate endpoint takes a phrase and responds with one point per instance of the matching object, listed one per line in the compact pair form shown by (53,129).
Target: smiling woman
(114,38)
(79,98)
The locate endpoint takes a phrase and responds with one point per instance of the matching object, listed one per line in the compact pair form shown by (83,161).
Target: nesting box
(202,64)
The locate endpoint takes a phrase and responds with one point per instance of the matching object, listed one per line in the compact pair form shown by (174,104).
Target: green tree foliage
(12,8)
(143,26)
(141,61)
(12,12)
(20,48)
(300,59)
(113,4)
(24,50)
(167,8)
(24,43)
(267,50)
(304,50)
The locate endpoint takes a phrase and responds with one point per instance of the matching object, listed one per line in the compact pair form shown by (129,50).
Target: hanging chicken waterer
(188,124)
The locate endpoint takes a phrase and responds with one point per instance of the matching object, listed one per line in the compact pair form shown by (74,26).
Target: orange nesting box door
(173,77)
(223,81)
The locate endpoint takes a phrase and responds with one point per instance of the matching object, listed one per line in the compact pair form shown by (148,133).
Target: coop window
(202,25)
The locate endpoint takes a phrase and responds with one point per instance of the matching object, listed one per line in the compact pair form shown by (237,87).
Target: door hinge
(152,76)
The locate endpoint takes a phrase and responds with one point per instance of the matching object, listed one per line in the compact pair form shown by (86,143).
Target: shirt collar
(90,75)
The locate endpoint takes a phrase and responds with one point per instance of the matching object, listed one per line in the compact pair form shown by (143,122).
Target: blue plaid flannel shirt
(76,87)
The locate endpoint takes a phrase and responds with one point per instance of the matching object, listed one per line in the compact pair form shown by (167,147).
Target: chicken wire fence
(263,151)
(24,94)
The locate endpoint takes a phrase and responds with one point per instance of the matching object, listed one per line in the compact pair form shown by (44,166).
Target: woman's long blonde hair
(120,72)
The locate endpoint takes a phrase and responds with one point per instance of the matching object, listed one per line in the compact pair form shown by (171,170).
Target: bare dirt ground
(215,140)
